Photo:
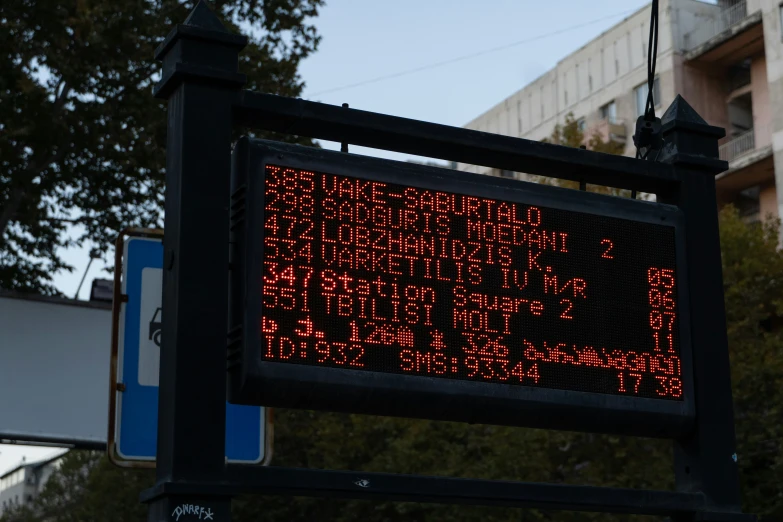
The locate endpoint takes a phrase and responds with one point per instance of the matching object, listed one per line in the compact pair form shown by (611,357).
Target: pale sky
(366,39)
(363,40)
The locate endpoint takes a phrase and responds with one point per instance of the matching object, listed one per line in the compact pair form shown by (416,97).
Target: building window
(590,75)
(576,77)
(609,112)
(644,46)
(581,124)
(748,203)
(519,117)
(530,108)
(641,96)
(780,8)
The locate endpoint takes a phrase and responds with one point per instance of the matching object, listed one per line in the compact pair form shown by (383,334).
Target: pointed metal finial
(689,140)
(682,111)
(203,48)
(202,16)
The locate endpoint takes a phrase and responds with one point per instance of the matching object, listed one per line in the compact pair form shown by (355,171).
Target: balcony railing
(738,146)
(725,19)
(615,130)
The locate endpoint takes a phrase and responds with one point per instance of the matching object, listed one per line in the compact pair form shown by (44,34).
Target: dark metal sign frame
(206,102)
(115,384)
(253,381)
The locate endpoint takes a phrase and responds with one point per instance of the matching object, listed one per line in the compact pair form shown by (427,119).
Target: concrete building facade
(22,484)
(724,58)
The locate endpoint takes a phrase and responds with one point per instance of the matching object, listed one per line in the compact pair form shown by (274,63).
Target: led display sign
(370,276)
(381,277)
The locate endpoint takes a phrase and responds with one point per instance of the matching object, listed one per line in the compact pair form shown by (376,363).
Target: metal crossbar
(392,133)
(387,486)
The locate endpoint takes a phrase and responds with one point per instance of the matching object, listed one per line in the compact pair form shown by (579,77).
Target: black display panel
(380,277)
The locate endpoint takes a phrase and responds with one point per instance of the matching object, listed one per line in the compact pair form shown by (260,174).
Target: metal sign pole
(707,460)
(200,79)
(203,88)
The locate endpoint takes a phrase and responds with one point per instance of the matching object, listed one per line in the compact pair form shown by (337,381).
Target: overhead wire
(652,56)
(649,107)
(470,56)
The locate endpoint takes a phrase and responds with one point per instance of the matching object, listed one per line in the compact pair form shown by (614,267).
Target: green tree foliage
(82,140)
(753,281)
(569,134)
(87,487)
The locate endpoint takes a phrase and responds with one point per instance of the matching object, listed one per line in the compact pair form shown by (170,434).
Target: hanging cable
(648,136)
(652,55)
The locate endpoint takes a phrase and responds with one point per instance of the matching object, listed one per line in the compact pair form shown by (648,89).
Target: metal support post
(200,82)
(205,100)
(706,461)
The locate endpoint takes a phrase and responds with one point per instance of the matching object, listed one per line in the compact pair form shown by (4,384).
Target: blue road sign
(138,362)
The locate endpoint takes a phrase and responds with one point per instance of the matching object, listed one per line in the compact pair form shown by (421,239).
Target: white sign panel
(54,360)
(150,326)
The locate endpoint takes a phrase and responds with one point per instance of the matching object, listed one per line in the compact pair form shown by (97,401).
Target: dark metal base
(409,488)
(206,103)
(189,507)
